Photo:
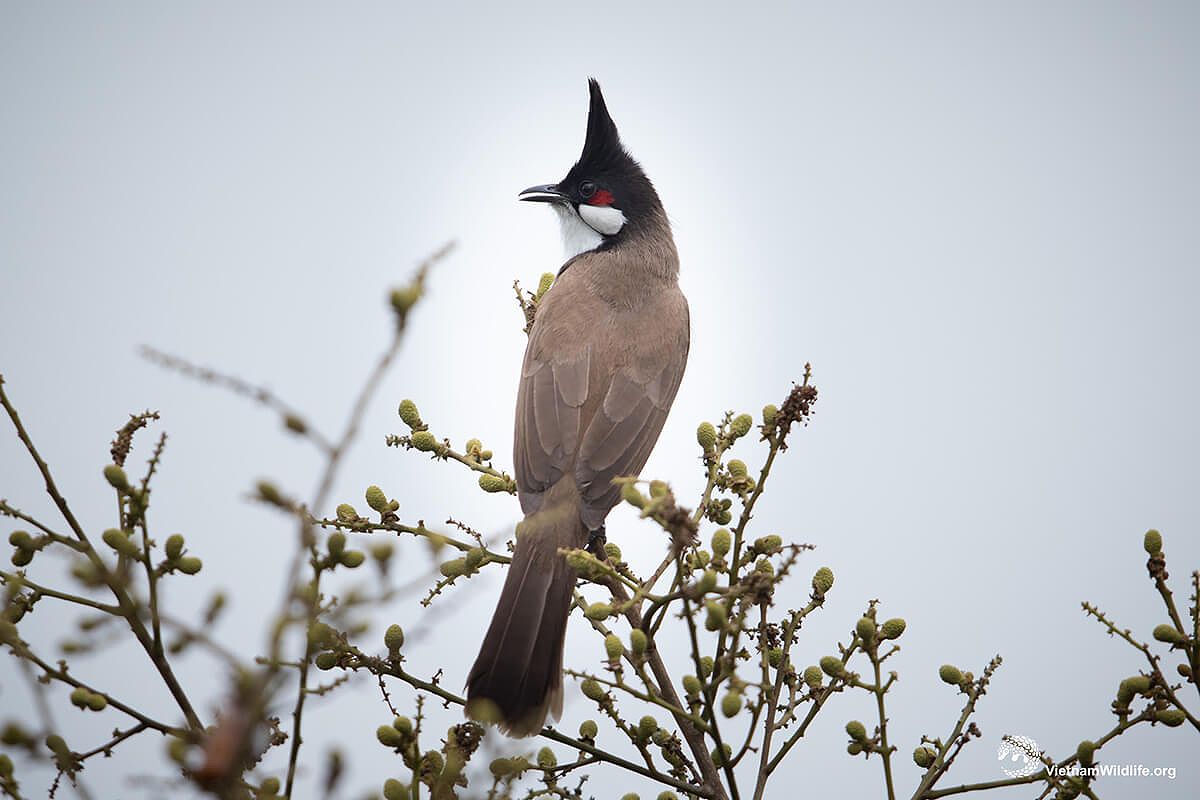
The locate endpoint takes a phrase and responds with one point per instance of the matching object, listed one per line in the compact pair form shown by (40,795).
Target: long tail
(517,678)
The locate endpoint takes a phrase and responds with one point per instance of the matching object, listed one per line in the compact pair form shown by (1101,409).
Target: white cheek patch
(577,236)
(604,219)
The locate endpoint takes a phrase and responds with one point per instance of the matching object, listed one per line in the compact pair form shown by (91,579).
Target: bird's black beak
(547,193)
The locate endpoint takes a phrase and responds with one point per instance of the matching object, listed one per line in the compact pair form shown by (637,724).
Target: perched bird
(604,359)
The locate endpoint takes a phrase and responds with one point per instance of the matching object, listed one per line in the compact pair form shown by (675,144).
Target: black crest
(605,161)
(602,147)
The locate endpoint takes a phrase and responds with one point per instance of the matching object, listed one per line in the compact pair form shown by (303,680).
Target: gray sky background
(978,222)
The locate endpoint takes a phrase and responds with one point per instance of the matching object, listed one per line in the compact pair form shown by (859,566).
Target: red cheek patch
(602,197)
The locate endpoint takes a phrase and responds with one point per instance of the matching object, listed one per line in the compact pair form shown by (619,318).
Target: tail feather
(517,676)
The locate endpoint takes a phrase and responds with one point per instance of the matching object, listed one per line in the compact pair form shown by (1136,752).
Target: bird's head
(606,196)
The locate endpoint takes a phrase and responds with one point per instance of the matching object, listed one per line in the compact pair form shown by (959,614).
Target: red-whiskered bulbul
(603,362)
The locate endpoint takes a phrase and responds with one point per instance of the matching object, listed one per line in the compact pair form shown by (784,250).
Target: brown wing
(550,398)
(593,397)
(626,424)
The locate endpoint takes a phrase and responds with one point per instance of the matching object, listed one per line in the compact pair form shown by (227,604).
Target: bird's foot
(595,543)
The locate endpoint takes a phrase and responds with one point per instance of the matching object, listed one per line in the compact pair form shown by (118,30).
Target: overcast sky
(978,222)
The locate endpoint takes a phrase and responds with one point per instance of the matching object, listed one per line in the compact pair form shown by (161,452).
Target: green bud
(719,757)
(832,666)
(775,657)
(377,500)
(269,493)
(613,647)
(433,762)
(501,767)
(736,467)
(764,566)
(691,685)
(731,703)
(403,724)
(118,541)
(1086,752)
(769,413)
(612,551)
(706,666)
(1171,717)
(717,616)
(21,540)
(813,677)
(14,734)
(667,795)
(720,542)
(592,689)
(21,557)
(58,746)
(546,758)
(893,628)
(474,557)
(588,729)
(544,284)
(353,559)
(1152,542)
(395,790)
(177,750)
(631,495)
(638,642)
(189,565)
(389,736)
(1136,684)
(269,786)
(326,661)
(659,488)
(116,478)
(97,702)
(382,552)
(493,483)
(321,636)
(950,674)
(6,766)
(174,546)
(410,415)
(865,629)
(856,730)
(425,441)
(706,436)
(647,725)
(79,697)
(598,612)
(741,425)
(768,544)
(822,580)
(923,757)
(586,564)
(405,297)
(1169,634)
(631,796)
(854,748)
(337,539)
(454,568)
(707,582)
(346,514)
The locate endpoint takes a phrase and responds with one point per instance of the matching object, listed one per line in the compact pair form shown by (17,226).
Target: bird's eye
(587,189)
